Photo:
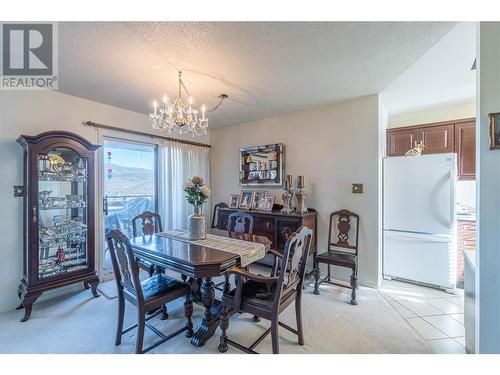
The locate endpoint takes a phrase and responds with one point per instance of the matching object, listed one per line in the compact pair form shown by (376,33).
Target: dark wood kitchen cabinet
(450,136)
(466,241)
(400,141)
(465,146)
(437,139)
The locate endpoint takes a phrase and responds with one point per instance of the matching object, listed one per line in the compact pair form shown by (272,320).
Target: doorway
(130,186)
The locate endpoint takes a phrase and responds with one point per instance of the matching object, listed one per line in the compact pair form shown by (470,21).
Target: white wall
(438,113)
(488,255)
(332,146)
(30,113)
(466,194)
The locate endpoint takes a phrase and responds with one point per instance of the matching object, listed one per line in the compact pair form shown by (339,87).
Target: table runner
(249,252)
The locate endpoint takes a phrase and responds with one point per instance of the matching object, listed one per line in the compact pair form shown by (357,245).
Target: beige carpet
(108,289)
(78,323)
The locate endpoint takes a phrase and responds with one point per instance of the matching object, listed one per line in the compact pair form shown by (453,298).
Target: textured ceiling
(265,68)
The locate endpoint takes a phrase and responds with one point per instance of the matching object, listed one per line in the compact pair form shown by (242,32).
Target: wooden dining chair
(215,216)
(150,294)
(341,252)
(269,296)
(240,222)
(150,223)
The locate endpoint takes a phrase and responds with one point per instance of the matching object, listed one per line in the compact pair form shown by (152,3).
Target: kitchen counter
(466,217)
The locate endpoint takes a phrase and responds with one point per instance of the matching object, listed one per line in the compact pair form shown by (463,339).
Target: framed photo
(494,130)
(268,206)
(234,201)
(259,200)
(246,199)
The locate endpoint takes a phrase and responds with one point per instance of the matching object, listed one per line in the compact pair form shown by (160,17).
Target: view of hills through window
(129,169)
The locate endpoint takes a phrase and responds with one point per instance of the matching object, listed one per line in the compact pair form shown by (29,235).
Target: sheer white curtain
(178,163)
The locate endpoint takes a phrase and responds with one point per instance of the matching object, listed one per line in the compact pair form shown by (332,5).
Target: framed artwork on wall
(494,130)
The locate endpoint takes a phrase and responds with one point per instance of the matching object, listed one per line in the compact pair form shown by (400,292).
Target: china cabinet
(58,215)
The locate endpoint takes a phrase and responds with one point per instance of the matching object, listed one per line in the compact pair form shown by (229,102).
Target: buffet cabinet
(457,136)
(275,226)
(58,215)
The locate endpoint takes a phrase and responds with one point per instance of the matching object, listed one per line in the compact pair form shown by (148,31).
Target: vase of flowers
(196,194)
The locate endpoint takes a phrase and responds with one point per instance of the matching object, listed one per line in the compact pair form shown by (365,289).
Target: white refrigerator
(419,238)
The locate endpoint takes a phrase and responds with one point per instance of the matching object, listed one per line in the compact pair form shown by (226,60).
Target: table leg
(227,284)
(212,311)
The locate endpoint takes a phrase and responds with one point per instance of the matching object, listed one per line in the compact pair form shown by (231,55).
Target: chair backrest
(293,264)
(150,223)
(240,222)
(124,263)
(215,217)
(340,228)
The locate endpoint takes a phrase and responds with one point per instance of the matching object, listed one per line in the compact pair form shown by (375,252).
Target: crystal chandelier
(181,117)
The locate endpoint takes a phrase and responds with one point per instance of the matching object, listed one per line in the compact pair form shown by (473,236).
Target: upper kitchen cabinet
(437,139)
(400,141)
(450,136)
(465,146)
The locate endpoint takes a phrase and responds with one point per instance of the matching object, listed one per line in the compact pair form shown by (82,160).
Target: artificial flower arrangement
(196,192)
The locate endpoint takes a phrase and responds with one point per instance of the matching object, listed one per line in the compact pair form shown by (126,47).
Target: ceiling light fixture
(182,117)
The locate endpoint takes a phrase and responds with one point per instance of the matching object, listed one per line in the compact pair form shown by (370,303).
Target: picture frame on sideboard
(259,200)
(268,206)
(246,199)
(234,201)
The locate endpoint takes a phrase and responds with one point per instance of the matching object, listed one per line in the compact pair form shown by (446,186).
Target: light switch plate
(357,188)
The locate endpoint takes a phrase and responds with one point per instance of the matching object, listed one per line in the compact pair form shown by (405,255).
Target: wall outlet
(357,188)
(18,191)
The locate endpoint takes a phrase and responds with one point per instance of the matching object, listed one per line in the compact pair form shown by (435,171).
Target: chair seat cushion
(335,257)
(159,284)
(258,293)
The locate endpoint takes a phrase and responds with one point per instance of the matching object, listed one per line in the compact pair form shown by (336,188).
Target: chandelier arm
(183,86)
(221,97)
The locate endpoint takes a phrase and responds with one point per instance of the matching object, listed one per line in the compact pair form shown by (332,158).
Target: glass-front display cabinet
(58,214)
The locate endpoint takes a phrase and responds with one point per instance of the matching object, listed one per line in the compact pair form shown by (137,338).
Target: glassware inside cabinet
(62,207)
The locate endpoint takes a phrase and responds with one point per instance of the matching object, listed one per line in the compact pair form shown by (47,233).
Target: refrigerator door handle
(452,200)
(426,236)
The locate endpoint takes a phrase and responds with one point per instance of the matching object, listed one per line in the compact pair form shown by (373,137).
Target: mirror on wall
(262,165)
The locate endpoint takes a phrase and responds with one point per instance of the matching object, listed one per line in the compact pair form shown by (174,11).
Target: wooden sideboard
(450,136)
(275,226)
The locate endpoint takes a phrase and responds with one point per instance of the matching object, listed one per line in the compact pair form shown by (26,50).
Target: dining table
(198,265)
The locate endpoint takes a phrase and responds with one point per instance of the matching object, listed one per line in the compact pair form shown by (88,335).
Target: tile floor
(438,317)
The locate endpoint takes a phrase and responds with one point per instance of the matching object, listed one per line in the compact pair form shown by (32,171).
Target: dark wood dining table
(198,263)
